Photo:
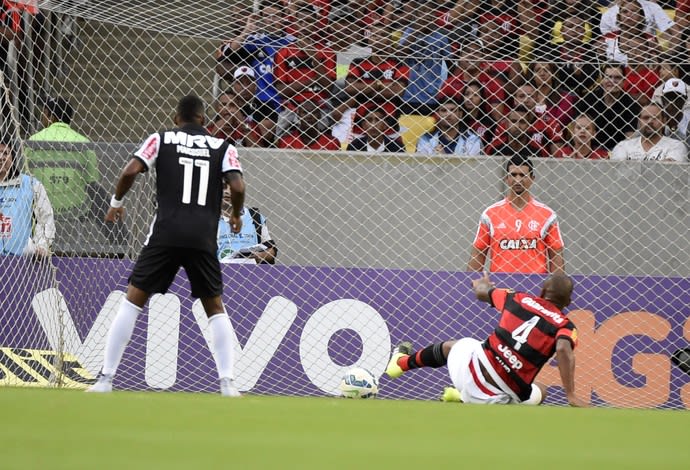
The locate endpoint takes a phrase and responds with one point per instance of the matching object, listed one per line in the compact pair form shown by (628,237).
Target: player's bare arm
(477,260)
(566,366)
(482,286)
(235,182)
(127,177)
(556,261)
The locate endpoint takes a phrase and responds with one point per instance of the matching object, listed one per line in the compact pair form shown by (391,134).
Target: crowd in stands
(565,79)
(584,79)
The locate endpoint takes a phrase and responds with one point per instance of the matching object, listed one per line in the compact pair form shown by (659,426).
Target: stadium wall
(617,218)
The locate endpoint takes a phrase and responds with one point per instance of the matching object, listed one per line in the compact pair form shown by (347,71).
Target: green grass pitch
(56,429)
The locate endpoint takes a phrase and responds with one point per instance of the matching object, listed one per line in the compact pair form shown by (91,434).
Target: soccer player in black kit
(191,167)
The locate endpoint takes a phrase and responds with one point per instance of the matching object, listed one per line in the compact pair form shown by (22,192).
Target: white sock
(119,335)
(535,397)
(221,338)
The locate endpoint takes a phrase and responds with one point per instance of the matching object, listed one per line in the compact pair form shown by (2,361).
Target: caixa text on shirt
(518,244)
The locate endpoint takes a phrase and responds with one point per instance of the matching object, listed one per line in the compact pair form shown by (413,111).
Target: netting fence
(373,135)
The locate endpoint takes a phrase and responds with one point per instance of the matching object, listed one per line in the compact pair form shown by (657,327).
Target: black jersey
(189,164)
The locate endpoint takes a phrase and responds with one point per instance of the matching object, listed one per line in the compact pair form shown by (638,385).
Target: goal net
(373,136)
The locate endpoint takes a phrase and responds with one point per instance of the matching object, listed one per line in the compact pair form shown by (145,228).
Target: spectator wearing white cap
(256,45)
(670,67)
(243,85)
(259,115)
(674,98)
(651,143)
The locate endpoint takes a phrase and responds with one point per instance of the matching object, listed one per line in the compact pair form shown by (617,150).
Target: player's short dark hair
(521,158)
(60,109)
(558,288)
(190,108)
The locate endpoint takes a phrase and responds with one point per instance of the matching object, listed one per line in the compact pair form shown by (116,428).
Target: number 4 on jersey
(521,333)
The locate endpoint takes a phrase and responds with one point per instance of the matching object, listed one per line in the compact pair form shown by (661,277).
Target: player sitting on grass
(502,368)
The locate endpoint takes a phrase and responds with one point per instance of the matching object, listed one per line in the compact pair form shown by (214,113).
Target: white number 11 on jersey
(189,164)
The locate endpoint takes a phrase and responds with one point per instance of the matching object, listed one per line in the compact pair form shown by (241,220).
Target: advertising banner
(299,328)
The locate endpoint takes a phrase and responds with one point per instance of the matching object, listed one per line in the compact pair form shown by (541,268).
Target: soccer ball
(359,383)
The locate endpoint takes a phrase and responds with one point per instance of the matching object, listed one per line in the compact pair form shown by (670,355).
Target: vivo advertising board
(299,328)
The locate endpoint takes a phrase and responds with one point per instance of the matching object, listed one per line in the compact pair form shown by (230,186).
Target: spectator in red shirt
(514,137)
(376,124)
(499,31)
(580,141)
(552,103)
(310,133)
(544,132)
(304,69)
(472,67)
(577,64)
(382,77)
(476,116)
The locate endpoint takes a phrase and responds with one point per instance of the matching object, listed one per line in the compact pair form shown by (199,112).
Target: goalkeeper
(502,369)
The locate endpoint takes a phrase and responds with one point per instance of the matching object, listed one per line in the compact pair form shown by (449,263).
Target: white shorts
(463,367)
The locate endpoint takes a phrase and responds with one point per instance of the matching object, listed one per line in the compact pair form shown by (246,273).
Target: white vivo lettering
(270,330)
(530,302)
(162,335)
(162,340)
(512,359)
(324,323)
(56,321)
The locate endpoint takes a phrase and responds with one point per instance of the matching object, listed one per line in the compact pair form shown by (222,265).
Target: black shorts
(157,267)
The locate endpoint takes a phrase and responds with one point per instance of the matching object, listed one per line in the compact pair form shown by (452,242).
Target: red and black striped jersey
(525,338)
